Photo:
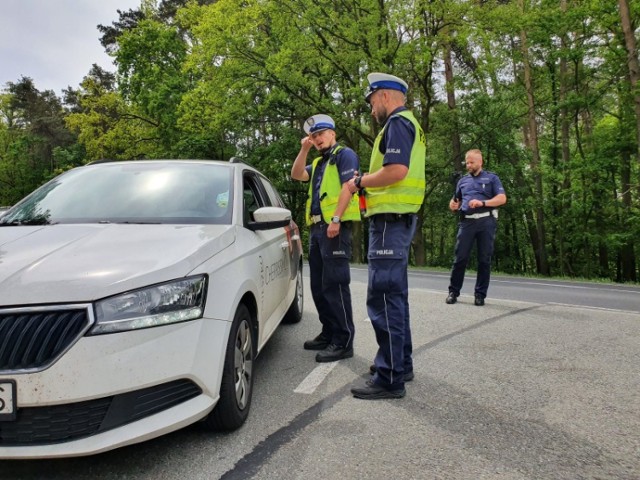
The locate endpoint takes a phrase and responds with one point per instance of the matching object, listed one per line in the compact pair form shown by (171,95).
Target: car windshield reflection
(132,193)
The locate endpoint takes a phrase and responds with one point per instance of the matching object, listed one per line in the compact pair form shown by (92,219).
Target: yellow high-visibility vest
(407,195)
(329,193)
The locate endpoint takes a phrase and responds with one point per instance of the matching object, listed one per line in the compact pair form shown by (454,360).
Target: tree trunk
(632,63)
(532,131)
(565,121)
(564,198)
(456,149)
(627,250)
(627,253)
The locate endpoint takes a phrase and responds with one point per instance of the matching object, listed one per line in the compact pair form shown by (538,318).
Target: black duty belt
(393,217)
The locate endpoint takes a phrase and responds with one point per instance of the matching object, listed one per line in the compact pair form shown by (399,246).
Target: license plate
(8,408)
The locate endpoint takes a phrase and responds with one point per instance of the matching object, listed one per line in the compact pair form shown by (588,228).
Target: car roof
(232,163)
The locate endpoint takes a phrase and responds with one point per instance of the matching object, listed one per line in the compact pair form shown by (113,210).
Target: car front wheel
(236,387)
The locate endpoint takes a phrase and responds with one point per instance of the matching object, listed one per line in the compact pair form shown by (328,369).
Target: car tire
(294,314)
(236,387)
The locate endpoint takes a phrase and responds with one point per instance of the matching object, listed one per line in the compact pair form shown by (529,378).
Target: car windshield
(136,192)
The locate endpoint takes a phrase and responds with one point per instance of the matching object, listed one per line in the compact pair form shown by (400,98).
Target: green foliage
(205,79)
(150,59)
(32,134)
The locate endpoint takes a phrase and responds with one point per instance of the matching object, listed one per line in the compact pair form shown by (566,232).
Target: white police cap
(319,122)
(380,81)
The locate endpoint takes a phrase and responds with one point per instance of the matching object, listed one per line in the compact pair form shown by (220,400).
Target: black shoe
(407,376)
(451,298)
(371,391)
(479,301)
(319,343)
(333,353)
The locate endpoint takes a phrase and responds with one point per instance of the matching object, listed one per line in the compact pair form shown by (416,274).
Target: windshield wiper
(140,223)
(33,221)
(128,222)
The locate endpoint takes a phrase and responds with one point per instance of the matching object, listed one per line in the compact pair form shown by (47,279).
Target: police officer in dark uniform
(394,190)
(477,197)
(330,235)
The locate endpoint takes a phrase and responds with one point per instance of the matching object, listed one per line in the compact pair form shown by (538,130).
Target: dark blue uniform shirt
(397,142)
(483,186)
(347,162)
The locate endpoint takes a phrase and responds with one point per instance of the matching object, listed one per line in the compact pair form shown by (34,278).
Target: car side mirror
(268,218)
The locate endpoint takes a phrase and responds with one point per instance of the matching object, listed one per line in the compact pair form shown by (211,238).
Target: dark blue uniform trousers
(483,232)
(330,279)
(388,298)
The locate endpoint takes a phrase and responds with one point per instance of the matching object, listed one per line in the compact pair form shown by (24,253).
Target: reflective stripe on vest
(330,188)
(407,195)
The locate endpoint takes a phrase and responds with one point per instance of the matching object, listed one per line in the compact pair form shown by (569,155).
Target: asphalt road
(595,295)
(542,382)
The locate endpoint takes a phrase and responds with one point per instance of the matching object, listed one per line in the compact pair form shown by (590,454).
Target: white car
(134,298)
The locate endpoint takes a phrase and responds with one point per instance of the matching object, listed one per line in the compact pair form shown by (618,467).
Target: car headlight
(171,302)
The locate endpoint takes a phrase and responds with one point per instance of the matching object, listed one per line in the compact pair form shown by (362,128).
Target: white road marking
(594,286)
(603,309)
(315,378)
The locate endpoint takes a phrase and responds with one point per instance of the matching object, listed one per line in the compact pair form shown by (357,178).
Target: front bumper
(120,389)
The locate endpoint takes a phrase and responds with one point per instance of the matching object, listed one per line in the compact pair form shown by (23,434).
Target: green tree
(546,90)
(34,141)
(108,127)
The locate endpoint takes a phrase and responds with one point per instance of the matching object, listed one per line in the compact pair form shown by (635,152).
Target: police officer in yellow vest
(329,236)
(394,190)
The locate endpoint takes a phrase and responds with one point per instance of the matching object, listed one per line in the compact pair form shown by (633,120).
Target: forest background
(548,90)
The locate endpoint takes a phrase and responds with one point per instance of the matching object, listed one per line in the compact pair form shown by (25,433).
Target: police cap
(381,81)
(318,123)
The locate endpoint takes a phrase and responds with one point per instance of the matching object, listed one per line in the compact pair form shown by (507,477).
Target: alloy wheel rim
(299,290)
(243,364)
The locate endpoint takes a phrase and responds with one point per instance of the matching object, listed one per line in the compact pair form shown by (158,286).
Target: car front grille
(63,423)
(33,338)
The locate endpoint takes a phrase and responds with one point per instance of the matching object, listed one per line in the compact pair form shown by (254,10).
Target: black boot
(319,343)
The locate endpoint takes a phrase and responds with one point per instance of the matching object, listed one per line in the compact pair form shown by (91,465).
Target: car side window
(253,197)
(275,198)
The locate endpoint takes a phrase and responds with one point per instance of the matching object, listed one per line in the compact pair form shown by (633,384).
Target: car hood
(81,263)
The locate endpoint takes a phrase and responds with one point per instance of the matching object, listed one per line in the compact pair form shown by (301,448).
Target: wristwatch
(335,219)
(484,204)
(357,181)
